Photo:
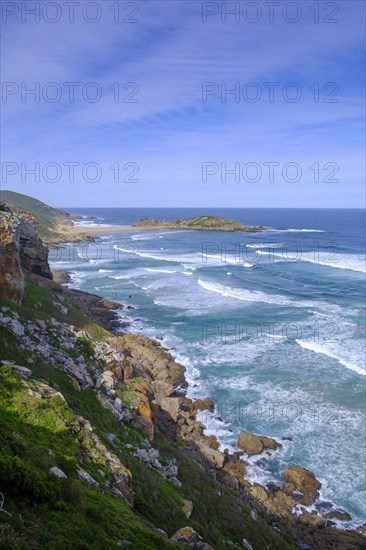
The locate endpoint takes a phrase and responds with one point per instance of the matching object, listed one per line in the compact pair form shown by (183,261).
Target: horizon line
(224,207)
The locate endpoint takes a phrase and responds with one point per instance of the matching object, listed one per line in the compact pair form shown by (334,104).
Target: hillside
(50,223)
(199,223)
(45,218)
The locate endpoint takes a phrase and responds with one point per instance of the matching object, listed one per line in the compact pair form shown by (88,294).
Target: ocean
(270,326)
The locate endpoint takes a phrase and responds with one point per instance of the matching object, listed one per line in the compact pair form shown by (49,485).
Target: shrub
(8,380)
(19,477)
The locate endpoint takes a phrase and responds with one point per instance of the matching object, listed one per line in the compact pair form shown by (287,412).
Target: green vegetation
(39,432)
(200,223)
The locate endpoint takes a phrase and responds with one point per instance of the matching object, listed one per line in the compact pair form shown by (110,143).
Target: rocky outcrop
(148,357)
(302,481)
(20,249)
(254,444)
(32,251)
(12,285)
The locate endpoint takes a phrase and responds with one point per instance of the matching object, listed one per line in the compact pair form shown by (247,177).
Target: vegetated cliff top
(45,218)
(200,223)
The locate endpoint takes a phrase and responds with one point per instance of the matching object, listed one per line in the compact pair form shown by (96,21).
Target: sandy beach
(78,230)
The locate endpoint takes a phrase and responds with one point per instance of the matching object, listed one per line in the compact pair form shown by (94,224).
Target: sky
(184,103)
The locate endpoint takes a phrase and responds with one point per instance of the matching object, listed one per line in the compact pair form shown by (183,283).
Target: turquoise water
(271,326)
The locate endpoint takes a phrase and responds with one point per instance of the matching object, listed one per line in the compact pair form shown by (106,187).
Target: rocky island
(101,448)
(199,223)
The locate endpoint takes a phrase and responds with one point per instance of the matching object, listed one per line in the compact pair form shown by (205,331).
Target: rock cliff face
(20,249)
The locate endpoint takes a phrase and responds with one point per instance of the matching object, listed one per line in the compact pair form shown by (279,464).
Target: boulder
(87,477)
(57,472)
(22,371)
(187,508)
(339,514)
(186,534)
(259,492)
(214,457)
(203,405)
(303,481)
(235,468)
(161,389)
(171,405)
(254,444)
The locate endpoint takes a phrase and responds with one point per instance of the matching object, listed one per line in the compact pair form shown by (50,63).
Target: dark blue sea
(269,325)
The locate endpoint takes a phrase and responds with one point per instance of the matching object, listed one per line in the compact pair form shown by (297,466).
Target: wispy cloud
(170,131)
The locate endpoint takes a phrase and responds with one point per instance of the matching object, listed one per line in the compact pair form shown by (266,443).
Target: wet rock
(203,405)
(338,514)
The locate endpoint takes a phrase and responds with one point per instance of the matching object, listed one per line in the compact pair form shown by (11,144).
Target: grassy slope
(84,517)
(45,216)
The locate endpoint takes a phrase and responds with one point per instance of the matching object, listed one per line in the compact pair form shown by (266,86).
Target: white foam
(272,230)
(353,262)
(324,350)
(264,245)
(247,264)
(249,295)
(157,270)
(143,237)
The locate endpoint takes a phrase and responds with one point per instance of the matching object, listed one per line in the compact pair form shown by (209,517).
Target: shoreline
(247,481)
(72,232)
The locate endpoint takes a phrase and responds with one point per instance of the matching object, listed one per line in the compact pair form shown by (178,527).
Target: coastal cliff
(99,442)
(20,249)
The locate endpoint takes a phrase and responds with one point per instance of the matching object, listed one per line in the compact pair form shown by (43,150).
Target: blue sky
(169,132)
